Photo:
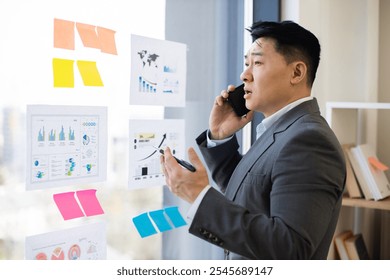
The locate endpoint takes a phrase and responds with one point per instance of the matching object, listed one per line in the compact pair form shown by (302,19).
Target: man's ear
(299,72)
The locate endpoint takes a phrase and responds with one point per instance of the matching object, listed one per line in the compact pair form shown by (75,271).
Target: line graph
(144,160)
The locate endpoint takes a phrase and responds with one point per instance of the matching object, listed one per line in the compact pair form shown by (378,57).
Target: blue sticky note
(159,219)
(144,225)
(175,216)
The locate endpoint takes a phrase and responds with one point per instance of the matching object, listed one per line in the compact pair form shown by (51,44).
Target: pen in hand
(183,163)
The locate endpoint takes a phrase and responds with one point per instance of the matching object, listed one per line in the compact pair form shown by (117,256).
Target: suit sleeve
(221,160)
(304,194)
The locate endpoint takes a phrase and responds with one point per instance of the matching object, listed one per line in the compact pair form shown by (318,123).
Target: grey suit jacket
(282,198)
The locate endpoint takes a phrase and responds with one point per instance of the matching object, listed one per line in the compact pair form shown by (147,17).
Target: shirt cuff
(195,205)
(213,143)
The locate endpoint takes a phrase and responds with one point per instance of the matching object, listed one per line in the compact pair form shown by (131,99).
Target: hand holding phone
(237,101)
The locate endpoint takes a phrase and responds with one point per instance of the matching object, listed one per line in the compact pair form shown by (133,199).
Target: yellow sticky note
(89,73)
(63,74)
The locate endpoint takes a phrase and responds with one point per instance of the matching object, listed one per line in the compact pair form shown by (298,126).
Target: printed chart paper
(158,72)
(87,242)
(144,159)
(66,145)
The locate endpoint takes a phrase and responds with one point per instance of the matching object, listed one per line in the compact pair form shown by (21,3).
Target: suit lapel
(264,142)
(246,163)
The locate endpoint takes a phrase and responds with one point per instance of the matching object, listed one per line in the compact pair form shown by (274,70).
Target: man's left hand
(185,184)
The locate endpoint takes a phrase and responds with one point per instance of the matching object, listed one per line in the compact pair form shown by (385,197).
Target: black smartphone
(237,101)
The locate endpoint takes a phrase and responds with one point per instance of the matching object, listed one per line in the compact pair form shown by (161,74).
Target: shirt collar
(267,122)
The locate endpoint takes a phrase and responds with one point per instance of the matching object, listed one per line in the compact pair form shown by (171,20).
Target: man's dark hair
(292,41)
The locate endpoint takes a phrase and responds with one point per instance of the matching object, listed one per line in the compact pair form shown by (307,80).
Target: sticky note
(89,202)
(68,206)
(63,74)
(377,164)
(159,219)
(144,225)
(88,35)
(175,216)
(106,40)
(89,73)
(63,34)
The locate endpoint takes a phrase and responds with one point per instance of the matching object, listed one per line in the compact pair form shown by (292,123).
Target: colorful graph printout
(87,242)
(158,72)
(144,159)
(66,145)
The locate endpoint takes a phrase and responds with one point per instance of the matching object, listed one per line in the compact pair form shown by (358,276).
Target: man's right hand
(223,120)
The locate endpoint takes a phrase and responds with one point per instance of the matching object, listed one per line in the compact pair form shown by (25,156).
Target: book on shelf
(340,244)
(351,184)
(356,247)
(359,173)
(370,174)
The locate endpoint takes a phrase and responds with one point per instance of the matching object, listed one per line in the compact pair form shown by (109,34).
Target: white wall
(26,53)
(348,33)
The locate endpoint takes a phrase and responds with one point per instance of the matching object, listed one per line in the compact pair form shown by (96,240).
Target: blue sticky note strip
(159,219)
(175,216)
(144,225)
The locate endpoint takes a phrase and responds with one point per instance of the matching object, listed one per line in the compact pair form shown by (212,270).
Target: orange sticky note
(63,75)
(63,34)
(88,35)
(107,40)
(377,164)
(89,73)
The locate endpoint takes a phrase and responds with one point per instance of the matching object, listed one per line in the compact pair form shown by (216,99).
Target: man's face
(267,78)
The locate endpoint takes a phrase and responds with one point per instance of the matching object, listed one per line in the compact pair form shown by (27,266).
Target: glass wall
(26,53)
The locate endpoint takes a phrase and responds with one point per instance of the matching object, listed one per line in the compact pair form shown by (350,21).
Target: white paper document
(144,159)
(86,242)
(158,72)
(66,145)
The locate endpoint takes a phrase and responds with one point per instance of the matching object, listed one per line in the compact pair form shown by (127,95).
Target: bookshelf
(363,203)
(347,121)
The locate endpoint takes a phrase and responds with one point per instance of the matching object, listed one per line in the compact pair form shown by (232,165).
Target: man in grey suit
(281,200)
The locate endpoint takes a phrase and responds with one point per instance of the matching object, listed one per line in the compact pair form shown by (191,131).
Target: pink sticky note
(89,202)
(68,206)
